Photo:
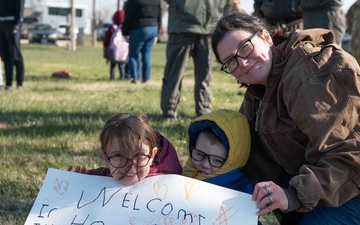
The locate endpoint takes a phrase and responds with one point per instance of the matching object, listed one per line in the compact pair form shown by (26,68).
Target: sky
(107,6)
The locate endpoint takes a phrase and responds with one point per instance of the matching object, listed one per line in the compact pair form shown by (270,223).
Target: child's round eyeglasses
(119,161)
(244,50)
(214,160)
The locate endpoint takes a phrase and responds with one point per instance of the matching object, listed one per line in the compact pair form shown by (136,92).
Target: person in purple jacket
(133,150)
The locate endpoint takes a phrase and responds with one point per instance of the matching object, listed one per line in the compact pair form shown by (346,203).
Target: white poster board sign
(69,198)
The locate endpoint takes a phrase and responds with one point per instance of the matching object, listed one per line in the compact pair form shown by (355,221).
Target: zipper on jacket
(257,93)
(257,117)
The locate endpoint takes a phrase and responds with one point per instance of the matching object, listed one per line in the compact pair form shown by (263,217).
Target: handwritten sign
(68,198)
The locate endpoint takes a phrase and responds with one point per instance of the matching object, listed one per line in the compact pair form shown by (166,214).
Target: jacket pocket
(286,150)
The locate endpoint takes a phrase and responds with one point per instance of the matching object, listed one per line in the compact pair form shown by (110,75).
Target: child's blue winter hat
(199,126)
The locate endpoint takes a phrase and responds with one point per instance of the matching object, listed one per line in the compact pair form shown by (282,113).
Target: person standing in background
(279,13)
(10,19)
(142,23)
(18,59)
(190,26)
(232,5)
(1,75)
(323,14)
(353,27)
(118,20)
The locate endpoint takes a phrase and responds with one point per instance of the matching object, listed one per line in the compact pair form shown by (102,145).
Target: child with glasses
(219,147)
(133,150)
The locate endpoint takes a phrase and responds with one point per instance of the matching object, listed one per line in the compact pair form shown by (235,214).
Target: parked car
(64,29)
(44,33)
(102,30)
(26,26)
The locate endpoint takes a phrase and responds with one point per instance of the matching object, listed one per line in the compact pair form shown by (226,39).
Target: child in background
(118,20)
(219,147)
(133,150)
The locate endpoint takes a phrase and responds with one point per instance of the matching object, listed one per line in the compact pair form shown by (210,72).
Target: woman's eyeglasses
(214,160)
(119,161)
(244,50)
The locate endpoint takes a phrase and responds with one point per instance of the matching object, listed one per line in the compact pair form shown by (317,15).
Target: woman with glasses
(218,148)
(303,104)
(133,150)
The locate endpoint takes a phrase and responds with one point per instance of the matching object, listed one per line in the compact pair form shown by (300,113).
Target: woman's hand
(268,197)
(78,169)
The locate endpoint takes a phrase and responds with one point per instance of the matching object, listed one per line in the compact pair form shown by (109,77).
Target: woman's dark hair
(241,21)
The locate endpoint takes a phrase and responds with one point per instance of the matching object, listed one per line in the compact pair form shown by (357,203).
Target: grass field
(53,123)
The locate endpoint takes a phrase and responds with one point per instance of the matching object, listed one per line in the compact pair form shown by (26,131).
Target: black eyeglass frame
(224,67)
(130,159)
(208,157)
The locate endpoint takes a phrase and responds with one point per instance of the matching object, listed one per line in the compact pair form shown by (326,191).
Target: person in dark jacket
(303,105)
(279,12)
(325,14)
(353,28)
(10,19)
(142,23)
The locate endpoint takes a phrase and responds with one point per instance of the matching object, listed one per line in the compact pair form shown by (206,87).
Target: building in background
(58,14)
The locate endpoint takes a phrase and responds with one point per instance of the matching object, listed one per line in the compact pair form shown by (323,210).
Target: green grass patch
(56,122)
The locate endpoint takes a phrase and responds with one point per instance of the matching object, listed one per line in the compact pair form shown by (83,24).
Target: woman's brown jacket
(305,122)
